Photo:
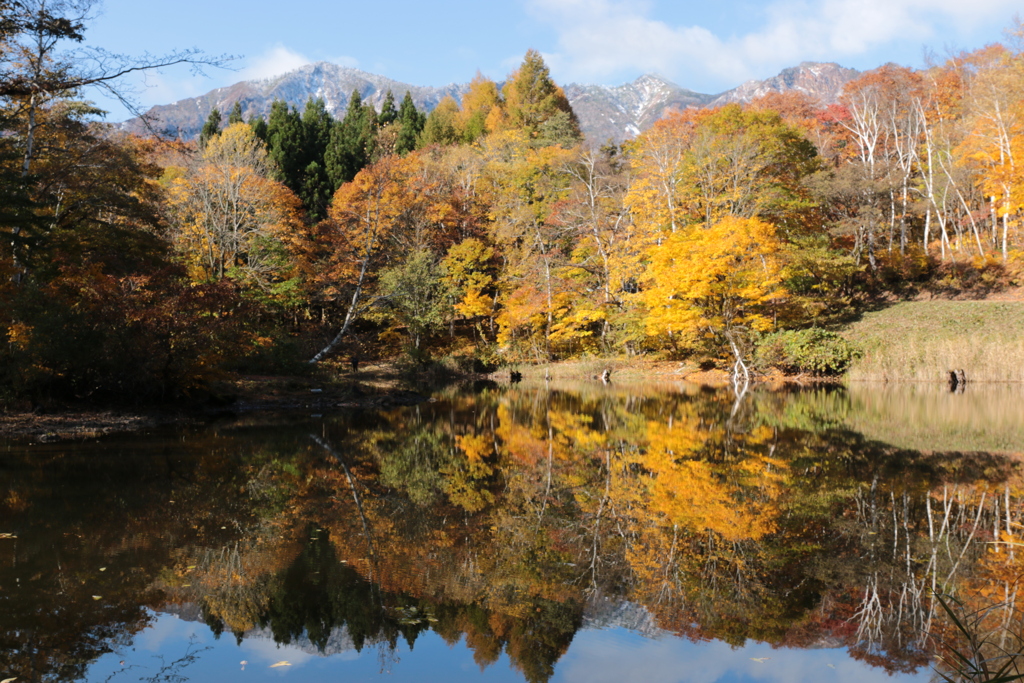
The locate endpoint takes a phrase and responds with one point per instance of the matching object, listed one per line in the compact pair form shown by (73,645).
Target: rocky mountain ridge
(330,82)
(605,112)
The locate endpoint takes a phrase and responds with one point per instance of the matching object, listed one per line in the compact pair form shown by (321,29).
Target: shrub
(813,350)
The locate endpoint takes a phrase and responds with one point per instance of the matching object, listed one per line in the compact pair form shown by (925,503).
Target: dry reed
(923,341)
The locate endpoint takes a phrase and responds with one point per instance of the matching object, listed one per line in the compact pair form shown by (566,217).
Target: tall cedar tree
(259,127)
(388,113)
(316,189)
(351,142)
(210,129)
(286,144)
(236,114)
(411,121)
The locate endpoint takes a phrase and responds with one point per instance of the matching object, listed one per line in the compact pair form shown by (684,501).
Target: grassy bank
(921,341)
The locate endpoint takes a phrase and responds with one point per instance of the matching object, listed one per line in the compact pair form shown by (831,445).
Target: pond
(574,532)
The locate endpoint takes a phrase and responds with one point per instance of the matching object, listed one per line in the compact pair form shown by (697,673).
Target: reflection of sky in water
(618,656)
(605,656)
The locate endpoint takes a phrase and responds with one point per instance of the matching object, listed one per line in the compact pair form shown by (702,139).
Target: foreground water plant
(989,656)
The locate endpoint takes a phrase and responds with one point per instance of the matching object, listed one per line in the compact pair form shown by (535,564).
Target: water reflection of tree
(78,580)
(495,517)
(746,526)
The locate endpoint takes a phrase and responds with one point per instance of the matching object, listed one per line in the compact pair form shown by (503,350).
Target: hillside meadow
(922,341)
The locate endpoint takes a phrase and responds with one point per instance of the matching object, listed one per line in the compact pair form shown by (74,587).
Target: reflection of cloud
(612,657)
(604,37)
(167,627)
(278,60)
(264,652)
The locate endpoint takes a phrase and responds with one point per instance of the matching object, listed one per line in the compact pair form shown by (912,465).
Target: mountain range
(605,112)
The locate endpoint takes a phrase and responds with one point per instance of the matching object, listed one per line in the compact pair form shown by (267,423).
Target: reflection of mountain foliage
(492,518)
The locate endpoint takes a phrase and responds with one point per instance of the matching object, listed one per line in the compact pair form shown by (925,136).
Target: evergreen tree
(286,144)
(351,143)
(411,122)
(259,128)
(210,129)
(316,189)
(388,113)
(236,114)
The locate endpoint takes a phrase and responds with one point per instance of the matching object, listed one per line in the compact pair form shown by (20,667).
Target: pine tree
(388,113)
(411,122)
(351,143)
(210,129)
(316,189)
(286,144)
(259,128)
(236,114)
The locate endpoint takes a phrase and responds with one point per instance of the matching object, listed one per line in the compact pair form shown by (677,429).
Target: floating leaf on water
(103,569)
(95,597)
(281,663)
(9,680)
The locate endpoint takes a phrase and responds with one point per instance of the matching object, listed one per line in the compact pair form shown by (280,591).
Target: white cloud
(602,38)
(274,62)
(344,60)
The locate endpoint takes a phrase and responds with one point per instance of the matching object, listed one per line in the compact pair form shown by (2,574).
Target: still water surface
(565,533)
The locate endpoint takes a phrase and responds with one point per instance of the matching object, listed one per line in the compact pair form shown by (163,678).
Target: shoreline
(374,388)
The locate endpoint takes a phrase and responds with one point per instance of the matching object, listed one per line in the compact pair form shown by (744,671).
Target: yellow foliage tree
(477,104)
(229,218)
(716,283)
(994,146)
(466,276)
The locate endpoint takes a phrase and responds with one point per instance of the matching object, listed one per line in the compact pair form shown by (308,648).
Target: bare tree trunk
(350,314)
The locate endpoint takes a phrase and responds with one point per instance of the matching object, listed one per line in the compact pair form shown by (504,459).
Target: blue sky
(703,45)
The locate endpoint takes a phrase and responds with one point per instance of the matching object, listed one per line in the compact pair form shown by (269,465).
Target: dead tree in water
(957,381)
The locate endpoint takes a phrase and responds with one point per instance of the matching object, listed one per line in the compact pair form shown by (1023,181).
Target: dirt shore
(374,387)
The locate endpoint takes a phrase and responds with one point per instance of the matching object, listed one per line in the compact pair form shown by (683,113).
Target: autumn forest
(487,232)
(508,519)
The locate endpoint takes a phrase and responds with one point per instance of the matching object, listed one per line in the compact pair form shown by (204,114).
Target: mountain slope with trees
(615,113)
